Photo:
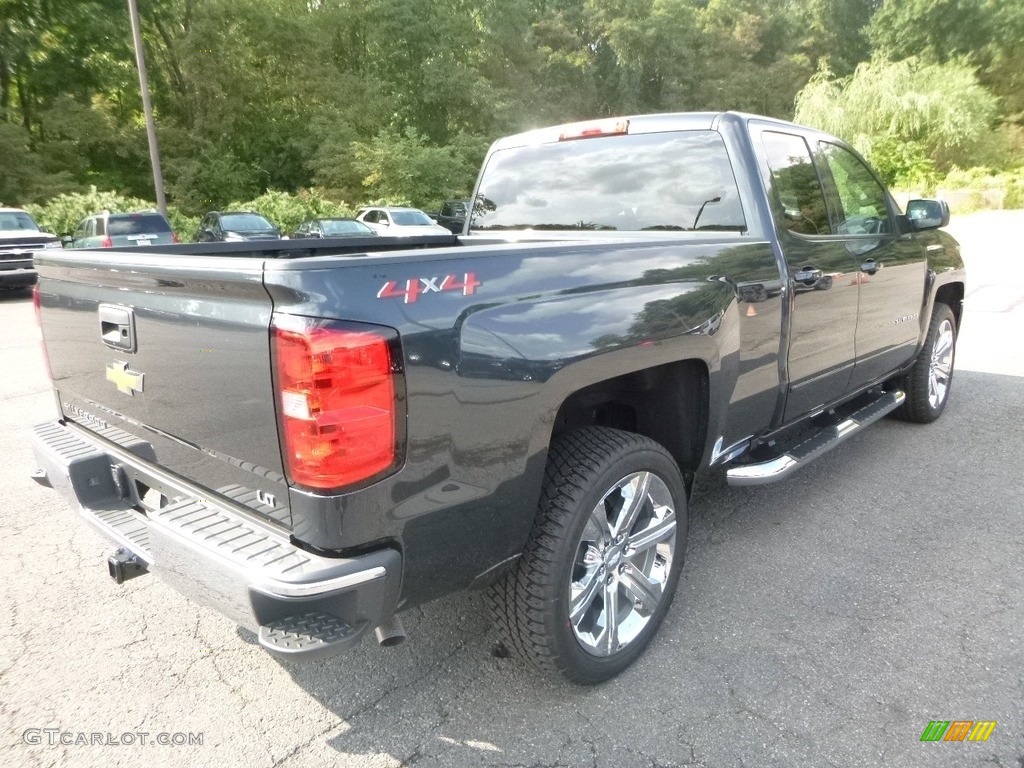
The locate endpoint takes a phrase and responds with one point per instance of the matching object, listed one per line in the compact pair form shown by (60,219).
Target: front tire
(600,568)
(928,382)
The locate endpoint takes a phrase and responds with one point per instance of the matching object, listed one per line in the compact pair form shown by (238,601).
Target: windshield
(411,219)
(345,227)
(245,222)
(141,224)
(16,221)
(681,180)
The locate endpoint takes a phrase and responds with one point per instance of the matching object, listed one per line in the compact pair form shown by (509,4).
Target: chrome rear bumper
(301,604)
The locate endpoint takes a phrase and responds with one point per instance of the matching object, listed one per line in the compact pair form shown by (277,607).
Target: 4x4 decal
(415,287)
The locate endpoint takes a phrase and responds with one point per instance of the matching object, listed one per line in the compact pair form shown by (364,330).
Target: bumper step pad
(309,635)
(215,550)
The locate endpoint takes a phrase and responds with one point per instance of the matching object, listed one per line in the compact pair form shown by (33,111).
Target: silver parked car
(113,230)
(400,222)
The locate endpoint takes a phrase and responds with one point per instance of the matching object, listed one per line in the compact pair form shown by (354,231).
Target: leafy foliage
(405,168)
(398,99)
(909,118)
(1008,186)
(287,211)
(64,212)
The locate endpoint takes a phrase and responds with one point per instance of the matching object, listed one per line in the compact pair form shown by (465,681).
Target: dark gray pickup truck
(312,437)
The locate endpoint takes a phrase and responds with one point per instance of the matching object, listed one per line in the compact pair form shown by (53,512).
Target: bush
(287,211)
(63,213)
(1014,189)
(980,188)
(183,224)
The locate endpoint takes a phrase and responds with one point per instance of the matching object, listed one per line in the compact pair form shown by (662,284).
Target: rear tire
(928,382)
(600,568)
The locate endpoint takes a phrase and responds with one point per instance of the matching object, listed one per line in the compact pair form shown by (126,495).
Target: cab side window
(862,207)
(795,181)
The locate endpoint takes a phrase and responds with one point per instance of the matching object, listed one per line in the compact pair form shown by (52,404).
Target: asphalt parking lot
(821,621)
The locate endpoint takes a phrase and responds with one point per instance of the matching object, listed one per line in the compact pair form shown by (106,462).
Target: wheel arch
(668,403)
(952,294)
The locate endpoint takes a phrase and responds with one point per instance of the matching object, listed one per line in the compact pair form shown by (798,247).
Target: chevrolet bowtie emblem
(126,380)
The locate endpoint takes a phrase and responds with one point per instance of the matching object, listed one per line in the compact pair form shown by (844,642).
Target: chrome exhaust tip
(390,633)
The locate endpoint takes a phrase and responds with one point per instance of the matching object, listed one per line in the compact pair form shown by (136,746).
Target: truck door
(891,267)
(823,276)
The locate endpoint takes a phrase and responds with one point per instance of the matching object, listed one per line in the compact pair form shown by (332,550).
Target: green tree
(988,34)
(404,168)
(836,33)
(908,118)
(24,177)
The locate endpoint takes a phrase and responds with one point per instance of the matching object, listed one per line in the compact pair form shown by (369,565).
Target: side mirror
(928,214)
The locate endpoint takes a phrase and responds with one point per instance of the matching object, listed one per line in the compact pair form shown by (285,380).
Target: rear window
(411,218)
(137,224)
(344,227)
(17,221)
(678,181)
(245,222)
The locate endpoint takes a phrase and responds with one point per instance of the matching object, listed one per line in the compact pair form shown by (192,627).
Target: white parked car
(400,222)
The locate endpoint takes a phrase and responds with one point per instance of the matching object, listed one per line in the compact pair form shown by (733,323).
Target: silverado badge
(125,379)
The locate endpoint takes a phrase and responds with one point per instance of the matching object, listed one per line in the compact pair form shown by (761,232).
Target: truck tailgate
(174,352)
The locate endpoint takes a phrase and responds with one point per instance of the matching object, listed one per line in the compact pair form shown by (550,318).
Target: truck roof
(651,123)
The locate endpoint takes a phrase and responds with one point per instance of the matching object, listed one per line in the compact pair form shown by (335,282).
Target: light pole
(147,108)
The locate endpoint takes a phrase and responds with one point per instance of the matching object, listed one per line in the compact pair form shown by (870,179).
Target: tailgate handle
(117,327)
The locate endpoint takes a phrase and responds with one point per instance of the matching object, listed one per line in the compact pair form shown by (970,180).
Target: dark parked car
(235,226)
(453,215)
(114,230)
(19,237)
(333,228)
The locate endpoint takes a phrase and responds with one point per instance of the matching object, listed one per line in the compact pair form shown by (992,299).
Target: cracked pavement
(821,621)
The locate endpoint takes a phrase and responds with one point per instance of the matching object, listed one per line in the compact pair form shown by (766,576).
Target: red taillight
(106,242)
(36,303)
(175,238)
(337,401)
(593,130)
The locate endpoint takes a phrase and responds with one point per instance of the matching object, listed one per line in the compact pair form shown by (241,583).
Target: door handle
(808,275)
(870,266)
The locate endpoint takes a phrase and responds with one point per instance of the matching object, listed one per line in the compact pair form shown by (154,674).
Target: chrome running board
(803,453)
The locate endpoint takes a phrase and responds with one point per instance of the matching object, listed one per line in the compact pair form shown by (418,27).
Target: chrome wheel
(941,367)
(622,563)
